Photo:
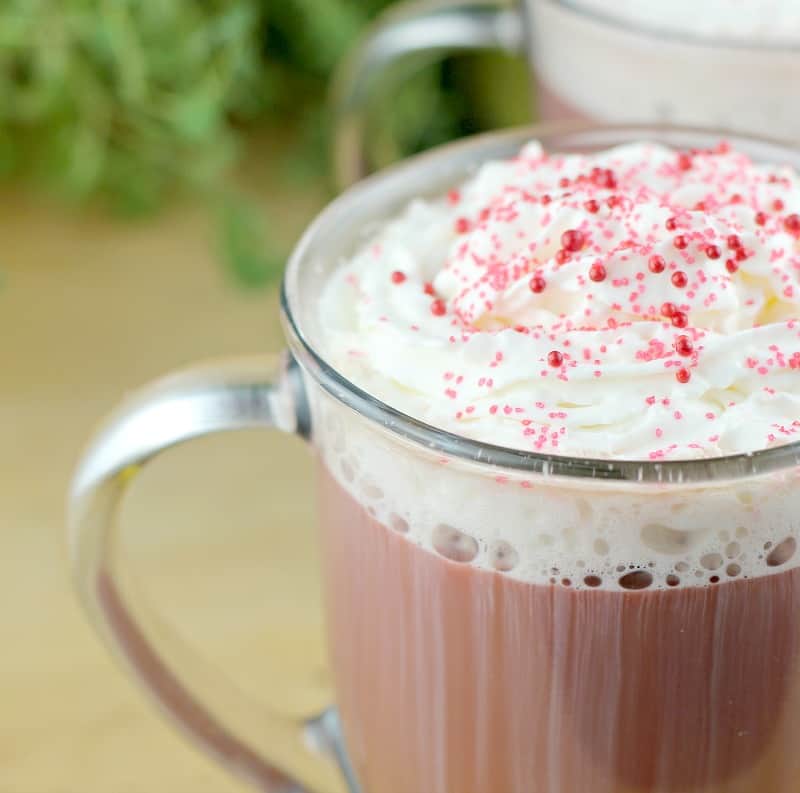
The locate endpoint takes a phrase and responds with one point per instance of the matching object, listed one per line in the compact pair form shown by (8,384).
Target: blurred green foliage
(132,101)
(128,99)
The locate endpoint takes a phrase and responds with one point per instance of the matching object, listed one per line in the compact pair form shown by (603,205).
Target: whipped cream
(635,303)
(774,21)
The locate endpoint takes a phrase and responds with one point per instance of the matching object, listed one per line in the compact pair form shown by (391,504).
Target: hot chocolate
(530,634)
(730,64)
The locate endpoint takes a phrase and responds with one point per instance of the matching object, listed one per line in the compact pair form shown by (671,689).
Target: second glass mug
(584,64)
(463,662)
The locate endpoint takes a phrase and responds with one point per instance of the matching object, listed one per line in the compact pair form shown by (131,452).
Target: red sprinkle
(591,206)
(555,358)
(761,218)
(597,272)
(398,277)
(562,257)
(438,308)
(731,266)
(679,279)
(656,264)
(668,309)
(741,254)
(573,240)
(681,242)
(537,284)
(604,177)
(671,224)
(462,225)
(734,243)
(713,252)
(545,199)
(777,205)
(428,289)
(683,375)
(792,224)
(684,346)
(679,319)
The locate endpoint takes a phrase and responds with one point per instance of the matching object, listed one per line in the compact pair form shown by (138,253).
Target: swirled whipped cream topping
(637,303)
(776,21)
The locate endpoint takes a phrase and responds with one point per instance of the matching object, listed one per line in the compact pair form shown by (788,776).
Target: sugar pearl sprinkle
(640,302)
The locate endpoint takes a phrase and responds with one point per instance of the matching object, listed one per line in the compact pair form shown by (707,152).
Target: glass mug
(457,668)
(584,65)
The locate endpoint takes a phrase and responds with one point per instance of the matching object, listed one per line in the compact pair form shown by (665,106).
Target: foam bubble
(711,561)
(503,556)
(636,579)
(398,523)
(454,544)
(663,539)
(782,552)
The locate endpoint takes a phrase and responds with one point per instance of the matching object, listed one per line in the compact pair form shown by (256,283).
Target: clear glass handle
(235,395)
(413,29)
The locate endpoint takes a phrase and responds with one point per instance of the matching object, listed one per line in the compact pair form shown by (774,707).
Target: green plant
(128,99)
(132,101)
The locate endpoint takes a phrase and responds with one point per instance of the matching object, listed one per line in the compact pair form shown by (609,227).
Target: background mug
(463,659)
(585,63)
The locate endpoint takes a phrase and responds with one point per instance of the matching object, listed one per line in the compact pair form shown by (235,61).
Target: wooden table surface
(220,534)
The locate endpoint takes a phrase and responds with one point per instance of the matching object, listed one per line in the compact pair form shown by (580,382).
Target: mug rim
(609,19)
(462,156)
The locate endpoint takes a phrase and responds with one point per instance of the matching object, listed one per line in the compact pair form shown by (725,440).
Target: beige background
(220,532)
